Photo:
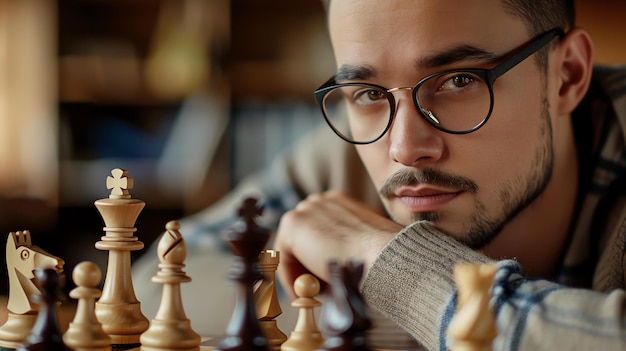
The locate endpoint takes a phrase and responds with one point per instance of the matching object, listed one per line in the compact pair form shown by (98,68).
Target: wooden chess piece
(171,329)
(472,327)
(266,300)
(85,332)
(22,258)
(118,309)
(45,335)
(243,332)
(305,336)
(344,316)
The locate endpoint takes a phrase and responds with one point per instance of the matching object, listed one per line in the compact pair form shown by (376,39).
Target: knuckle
(334,193)
(313,197)
(290,218)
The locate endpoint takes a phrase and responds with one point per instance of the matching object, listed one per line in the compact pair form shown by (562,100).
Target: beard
(515,195)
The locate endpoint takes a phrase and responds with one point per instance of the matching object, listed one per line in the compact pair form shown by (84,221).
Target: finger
(289,268)
(302,233)
(288,271)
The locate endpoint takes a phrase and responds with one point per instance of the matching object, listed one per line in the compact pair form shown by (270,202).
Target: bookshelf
(132,75)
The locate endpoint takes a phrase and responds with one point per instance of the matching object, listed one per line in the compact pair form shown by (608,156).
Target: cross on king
(119,183)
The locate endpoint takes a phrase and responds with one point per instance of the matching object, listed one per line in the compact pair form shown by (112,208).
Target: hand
(328,226)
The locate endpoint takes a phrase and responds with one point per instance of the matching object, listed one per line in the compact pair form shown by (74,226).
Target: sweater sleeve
(531,314)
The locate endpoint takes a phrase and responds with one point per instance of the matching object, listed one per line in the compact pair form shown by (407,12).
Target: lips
(425,199)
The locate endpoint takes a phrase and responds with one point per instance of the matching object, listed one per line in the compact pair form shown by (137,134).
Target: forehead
(379,33)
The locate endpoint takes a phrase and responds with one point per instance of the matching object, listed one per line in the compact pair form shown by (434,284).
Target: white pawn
(170,329)
(85,331)
(305,336)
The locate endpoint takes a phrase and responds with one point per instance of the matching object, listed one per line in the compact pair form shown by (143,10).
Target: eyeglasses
(454,101)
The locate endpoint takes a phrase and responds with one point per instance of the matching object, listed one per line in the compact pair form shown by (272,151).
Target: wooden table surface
(66,314)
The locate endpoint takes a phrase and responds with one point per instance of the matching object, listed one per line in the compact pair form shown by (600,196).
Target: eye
(458,81)
(368,96)
(25,254)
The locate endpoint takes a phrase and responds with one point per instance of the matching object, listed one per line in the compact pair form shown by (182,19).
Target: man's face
(469,185)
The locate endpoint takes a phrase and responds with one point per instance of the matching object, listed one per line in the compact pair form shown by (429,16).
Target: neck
(536,237)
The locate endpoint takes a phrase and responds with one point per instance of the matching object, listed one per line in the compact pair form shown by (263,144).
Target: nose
(413,141)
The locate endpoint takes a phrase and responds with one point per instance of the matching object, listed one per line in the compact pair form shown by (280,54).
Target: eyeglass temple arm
(526,51)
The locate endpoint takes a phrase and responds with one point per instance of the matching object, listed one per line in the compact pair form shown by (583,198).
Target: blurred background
(188,95)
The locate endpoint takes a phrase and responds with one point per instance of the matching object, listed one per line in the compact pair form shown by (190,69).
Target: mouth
(425,199)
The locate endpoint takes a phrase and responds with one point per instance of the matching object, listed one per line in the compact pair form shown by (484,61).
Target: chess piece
(45,335)
(344,316)
(305,336)
(170,329)
(472,327)
(118,309)
(22,258)
(266,300)
(85,331)
(243,332)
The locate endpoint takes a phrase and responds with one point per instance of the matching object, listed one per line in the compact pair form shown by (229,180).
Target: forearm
(540,315)
(411,282)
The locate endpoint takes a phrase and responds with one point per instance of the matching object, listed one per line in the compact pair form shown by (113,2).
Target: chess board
(66,313)
(116,312)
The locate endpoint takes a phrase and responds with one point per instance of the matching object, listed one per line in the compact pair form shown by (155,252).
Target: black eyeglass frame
(488,75)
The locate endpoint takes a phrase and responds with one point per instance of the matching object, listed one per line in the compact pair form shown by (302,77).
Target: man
(472,120)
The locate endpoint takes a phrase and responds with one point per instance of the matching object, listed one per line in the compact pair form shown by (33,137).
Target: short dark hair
(543,15)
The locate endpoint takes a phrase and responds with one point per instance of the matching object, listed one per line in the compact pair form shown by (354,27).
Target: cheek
(506,147)
(514,126)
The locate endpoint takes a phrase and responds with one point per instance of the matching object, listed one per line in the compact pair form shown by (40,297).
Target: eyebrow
(457,54)
(353,72)
(454,55)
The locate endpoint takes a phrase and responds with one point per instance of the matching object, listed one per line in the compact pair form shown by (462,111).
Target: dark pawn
(45,335)
(344,314)
(243,332)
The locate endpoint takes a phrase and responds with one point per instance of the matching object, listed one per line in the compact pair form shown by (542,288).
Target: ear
(575,63)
